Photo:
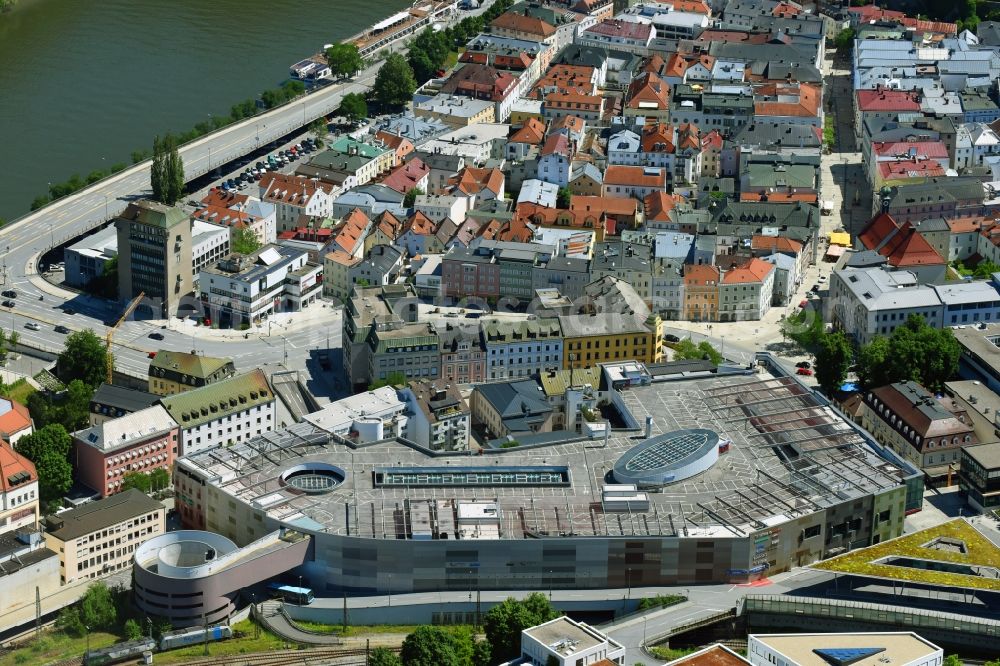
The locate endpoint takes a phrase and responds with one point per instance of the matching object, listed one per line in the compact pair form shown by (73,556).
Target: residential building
(439,419)
(566,642)
(470,272)
(634,181)
(625,260)
(366,308)
(560,104)
(510,408)
(979,476)
(863,648)
(294,196)
(19,495)
(249,288)
(409,349)
(427,276)
(905,248)
(379,267)
(463,357)
(337,282)
(111,402)
(414,174)
(746,291)
(100,538)
(521,348)
(615,324)
(979,402)
(173,372)
(383,157)
(456,110)
(154,255)
(701,292)
(239,212)
(913,423)
(619,35)
(139,442)
(554,160)
(223,413)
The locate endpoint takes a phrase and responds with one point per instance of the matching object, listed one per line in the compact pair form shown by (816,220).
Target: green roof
(195,365)
(945,555)
(782,175)
(214,401)
(556,382)
(344,145)
(155,214)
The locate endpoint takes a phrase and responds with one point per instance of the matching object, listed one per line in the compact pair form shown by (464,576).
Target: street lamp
(628,583)
(550,584)
(87,629)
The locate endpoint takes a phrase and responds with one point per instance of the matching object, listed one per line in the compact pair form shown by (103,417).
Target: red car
(152,354)
(804,304)
(804,371)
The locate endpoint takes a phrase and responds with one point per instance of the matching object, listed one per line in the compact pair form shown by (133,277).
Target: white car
(32,326)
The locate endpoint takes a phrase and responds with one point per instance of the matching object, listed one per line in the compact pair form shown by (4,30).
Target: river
(83,83)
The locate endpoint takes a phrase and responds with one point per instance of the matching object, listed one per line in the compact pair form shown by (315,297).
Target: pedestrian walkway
(272,615)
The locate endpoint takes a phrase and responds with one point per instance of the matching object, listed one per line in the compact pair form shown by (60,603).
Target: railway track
(313,657)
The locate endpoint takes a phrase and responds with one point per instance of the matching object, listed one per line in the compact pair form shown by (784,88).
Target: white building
(521,348)
(867,649)
(565,642)
(538,192)
(440,206)
(248,288)
(293,196)
(746,292)
(366,417)
(223,413)
(438,417)
(18,490)
(209,243)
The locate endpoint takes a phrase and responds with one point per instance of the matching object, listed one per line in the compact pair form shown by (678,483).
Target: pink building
(463,358)
(138,442)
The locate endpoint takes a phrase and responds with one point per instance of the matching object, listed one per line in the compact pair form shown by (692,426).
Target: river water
(83,83)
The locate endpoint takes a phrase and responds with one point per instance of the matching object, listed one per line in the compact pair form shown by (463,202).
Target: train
(169,641)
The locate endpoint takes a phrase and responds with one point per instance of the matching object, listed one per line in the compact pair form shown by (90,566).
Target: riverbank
(147,77)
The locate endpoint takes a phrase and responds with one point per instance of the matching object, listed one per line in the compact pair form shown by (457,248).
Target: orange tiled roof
(390,225)
(901,245)
(421,224)
(647,89)
(294,190)
(226,217)
(520,23)
(12,462)
(570,122)
(528,212)
(217,197)
(966,225)
(619,174)
(351,230)
(657,205)
(532,131)
(700,275)
(755,270)
(342,258)
(392,141)
(657,138)
(776,243)
(515,230)
(15,419)
(607,205)
(806,106)
(472,180)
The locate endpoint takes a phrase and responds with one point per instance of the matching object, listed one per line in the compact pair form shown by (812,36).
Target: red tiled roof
(556,144)
(219,198)
(910,169)
(472,180)
(692,6)
(520,23)
(888,100)
(713,140)
(607,205)
(533,131)
(776,243)
(12,462)
(965,225)
(390,226)
(226,217)
(294,190)
(700,275)
(570,122)
(351,230)
(657,205)
(542,216)
(623,29)
(14,420)
(873,12)
(619,174)
(755,270)
(515,230)
(648,88)
(935,149)
(406,176)
(421,225)
(922,25)
(342,258)
(806,106)
(657,138)
(901,245)
(393,141)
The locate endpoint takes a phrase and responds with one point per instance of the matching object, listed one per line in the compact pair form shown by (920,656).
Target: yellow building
(616,326)
(99,538)
(456,111)
(336,274)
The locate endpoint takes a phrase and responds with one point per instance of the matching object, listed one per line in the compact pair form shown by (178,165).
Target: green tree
(39,201)
(383,656)
(138,480)
(48,448)
(245,241)
(423,67)
(563,197)
(952,660)
(132,630)
(393,379)
(319,129)
(833,359)
(985,269)
(70,623)
(354,107)
(914,351)
(394,84)
(140,155)
(158,170)
(97,607)
(159,479)
(504,623)
(175,173)
(84,357)
(411,197)
(845,39)
(436,646)
(686,349)
(344,60)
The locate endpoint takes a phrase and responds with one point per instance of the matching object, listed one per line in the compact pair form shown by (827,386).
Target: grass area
(829,131)
(319,628)
(661,601)
(669,654)
(54,645)
(19,391)
(364,630)
(979,551)
(450,61)
(234,646)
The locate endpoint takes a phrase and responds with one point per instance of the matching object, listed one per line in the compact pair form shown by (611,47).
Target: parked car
(69,311)
(151,354)
(10,293)
(9,304)
(804,371)
(803,364)
(815,289)
(32,326)
(61,329)
(156,335)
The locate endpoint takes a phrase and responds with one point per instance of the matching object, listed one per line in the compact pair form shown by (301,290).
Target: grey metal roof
(120,397)
(101,514)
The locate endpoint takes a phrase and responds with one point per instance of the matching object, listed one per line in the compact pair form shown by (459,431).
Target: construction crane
(111,334)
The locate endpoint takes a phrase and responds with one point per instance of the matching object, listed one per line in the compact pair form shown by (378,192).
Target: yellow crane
(111,334)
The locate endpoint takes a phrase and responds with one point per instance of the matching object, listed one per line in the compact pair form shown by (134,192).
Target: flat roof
(758,413)
(713,655)
(564,636)
(883,648)
(101,514)
(987,455)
